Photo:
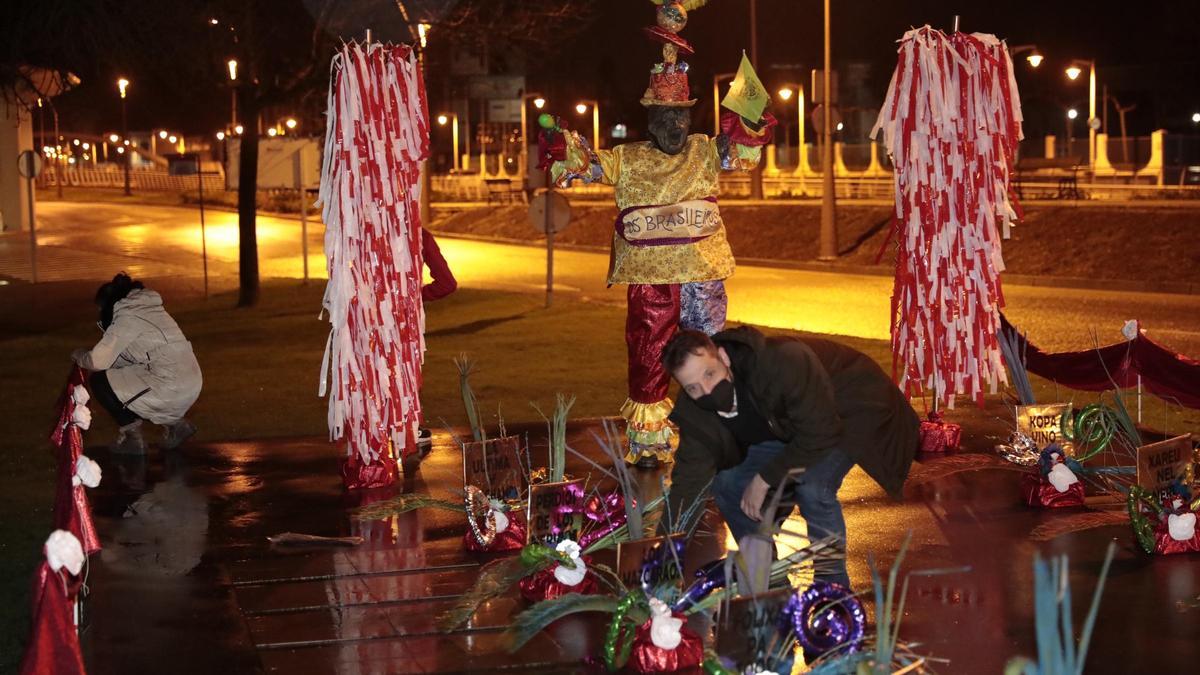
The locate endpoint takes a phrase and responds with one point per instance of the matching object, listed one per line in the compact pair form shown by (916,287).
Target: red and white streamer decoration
(378,134)
(951,123)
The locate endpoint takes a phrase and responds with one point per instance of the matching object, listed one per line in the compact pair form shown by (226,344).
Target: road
(92,241)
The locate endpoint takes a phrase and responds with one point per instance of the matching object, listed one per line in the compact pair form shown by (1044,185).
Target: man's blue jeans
(815,493)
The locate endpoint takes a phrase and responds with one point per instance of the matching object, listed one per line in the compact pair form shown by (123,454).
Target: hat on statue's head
(669,80)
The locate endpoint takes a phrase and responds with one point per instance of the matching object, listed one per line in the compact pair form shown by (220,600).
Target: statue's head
(668,127)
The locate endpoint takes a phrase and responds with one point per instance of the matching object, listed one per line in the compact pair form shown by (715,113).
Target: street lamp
(717,79)
(1073,72)
(233,68)
(220,135)
(290,123)
(539,102)
(1196,118)
(123,86)
(1035,57)
(238,129)
(785,93)
(442,120)
(581,108)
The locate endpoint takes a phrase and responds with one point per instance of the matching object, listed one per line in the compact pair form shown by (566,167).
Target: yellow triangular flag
(746,96)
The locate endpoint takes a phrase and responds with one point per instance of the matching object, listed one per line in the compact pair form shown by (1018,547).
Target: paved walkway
(188,583)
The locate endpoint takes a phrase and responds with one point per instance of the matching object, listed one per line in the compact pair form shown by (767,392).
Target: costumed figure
(1165,524)
(669,245)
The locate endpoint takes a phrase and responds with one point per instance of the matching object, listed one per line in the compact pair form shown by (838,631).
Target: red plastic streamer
(951,123)
(378,135)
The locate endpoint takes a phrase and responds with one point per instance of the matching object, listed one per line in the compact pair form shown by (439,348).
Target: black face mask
(720,399)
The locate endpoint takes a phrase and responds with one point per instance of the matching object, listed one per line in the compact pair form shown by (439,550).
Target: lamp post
(1073,72)
(828,247)
(717,80)
(785,93)
(453,117)
(1071,115)
(539,102)
(1035,57)
(581,108)
(232,64)
(123,86)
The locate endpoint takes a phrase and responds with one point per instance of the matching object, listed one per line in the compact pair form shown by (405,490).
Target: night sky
(1145,52)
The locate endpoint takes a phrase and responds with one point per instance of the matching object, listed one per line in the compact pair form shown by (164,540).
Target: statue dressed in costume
(669,244)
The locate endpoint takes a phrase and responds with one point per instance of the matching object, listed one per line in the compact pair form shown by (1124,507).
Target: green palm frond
(403,504)
(534,620)
(465,367)
(494,580)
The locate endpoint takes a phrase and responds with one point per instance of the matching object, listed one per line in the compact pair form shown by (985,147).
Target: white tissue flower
(664,628)
(64,550)
(87,472)
(81,417)
(1181,526)
(1061,477)
(80,395)
(1130,330)
(501,520)
(565,575)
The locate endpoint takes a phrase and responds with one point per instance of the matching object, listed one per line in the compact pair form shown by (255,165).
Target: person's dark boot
(129,440)
(177,433)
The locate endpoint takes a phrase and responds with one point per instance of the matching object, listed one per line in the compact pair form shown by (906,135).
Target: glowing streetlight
(1072,114)
(539,103)
(1073,72)
(451,117)
(290,123)
(162,134)
(422,31)
(238,129)
(1035,59)
(785,93)
(87,146)
(581,108)
(1196,118)
(172,139)
(76,141)
(840,126)
(272,132)
(112,138)
(232,64)
(220,135)
(122,84)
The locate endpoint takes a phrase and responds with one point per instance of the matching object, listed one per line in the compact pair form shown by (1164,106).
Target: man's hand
(78,355)
(752,498)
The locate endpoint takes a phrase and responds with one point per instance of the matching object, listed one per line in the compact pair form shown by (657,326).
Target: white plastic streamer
(951,122)
(377,135)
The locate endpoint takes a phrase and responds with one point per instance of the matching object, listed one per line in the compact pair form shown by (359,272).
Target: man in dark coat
(757,407)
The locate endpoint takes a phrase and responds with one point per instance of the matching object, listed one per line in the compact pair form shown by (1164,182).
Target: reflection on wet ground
(188,582)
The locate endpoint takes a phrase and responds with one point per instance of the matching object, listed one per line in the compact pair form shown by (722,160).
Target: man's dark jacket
(816,395)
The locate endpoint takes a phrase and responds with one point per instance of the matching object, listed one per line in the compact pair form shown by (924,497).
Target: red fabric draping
(71,509)
(542,585)
(1172,376)
(647,658)
(53,644)
(1037,492)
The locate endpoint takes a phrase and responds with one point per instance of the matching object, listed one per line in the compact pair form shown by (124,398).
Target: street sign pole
(29,165)
(203,230)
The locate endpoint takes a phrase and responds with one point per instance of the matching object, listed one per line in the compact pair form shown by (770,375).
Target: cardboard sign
(662,566)
(1043,423)
(495,467)
(555,512)
(750,631)
(1161,464)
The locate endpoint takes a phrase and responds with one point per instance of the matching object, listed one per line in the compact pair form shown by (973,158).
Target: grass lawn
(260,380)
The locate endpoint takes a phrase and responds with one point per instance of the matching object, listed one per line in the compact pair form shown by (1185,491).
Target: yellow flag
(746,96)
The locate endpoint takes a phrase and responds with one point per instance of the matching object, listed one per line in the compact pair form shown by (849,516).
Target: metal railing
(139,179)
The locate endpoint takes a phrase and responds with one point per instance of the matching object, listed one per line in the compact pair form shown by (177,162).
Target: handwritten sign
(555,512)
(685,221)
(750,631)
(652,555)
(494,466)
(1043,423)
(1161,464)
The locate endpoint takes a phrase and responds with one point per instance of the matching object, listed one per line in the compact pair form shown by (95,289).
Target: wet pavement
(187,582)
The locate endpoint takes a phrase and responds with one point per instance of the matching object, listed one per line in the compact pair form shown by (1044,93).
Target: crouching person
(757,407)
(143,368)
